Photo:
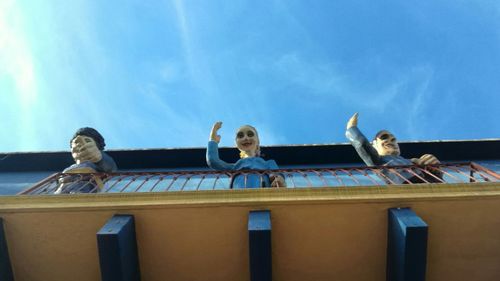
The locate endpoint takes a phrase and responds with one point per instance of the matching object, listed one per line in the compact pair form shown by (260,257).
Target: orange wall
(316,234)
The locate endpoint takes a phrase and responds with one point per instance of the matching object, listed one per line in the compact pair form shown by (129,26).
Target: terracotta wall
(315,236)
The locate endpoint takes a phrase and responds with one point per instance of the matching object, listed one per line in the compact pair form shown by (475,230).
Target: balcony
(126,182)
(326,222)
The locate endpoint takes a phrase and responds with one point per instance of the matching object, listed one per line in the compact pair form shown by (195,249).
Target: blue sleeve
(363,146)
(271,165)
(213,160)
(107,164)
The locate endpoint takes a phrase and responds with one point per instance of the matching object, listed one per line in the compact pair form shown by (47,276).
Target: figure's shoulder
(270,161)
(271,164)
(85,167)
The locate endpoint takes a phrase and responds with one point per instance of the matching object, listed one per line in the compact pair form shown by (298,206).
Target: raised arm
(360,143)
(213,160)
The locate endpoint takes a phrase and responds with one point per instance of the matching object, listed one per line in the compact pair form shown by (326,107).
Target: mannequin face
(77,143)
(247,140)
(386,144)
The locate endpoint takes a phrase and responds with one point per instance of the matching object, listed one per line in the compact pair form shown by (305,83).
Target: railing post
(406,246)
(259,238)
(117,247)
(5,266)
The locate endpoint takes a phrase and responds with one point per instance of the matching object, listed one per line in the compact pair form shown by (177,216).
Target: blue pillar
(5,266)
(406,246)
(117,245)
(259,238)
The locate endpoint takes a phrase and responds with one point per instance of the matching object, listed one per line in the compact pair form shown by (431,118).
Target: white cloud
(327,80)
(417,121)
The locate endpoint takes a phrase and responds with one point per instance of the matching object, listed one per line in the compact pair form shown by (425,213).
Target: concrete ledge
(250,197)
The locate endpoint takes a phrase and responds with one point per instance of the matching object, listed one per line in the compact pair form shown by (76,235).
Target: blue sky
(151,74)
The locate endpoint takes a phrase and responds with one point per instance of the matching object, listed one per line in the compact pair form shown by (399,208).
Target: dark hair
(91,133)
(379,133)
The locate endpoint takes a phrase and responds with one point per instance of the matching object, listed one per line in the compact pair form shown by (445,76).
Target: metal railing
(294,178)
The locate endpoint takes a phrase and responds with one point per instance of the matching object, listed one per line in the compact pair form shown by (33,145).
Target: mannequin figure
(87,147)
(384,151)
(247,141)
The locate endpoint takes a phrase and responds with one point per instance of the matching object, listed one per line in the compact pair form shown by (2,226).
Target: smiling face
(386,144)
(247,141)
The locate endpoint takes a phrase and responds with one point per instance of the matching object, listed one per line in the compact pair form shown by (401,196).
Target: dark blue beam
(5,266)
(117,245)
(406,246)
(259,238)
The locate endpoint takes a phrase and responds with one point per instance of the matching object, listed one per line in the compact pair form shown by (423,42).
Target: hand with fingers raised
(353,121)
(213,133)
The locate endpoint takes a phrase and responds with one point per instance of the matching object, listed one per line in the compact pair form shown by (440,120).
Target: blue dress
(249,163)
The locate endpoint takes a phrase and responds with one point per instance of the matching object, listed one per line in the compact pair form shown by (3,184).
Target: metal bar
(39,184)
(120,178)
(460,172)
(439,179)
(59,182)
(259,240)
(117,247)
(367,175)
(160,178)
(486,177)
(201,180)
(215,182)
(304,175)
(483,169)
(471,173)
(410,170)
(47,188)
(93,187)
(350,175)
(357,176)
(321,177)
(383,176)
(450,175)
(337,177)
(292,180)
(130,182)
(485,174)
(143,182)
(174,178)
(75,180)
(187,179)
(406,246)
(395,171)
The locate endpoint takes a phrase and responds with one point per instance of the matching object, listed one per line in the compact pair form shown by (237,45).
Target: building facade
(335,220)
